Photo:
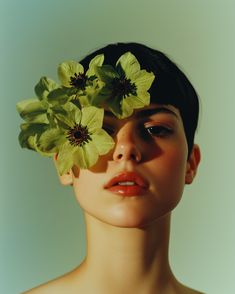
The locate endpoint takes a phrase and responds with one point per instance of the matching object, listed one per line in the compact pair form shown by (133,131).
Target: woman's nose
(126,146)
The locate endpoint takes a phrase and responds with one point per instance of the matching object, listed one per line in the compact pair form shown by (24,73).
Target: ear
(192,164)
(67,179)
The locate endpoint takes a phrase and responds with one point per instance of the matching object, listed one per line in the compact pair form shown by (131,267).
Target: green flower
(79,140)
(126,86)
(36,109)
(38,113)
(44,87)
(64,119)
(29,134)
(33,110)
(76,83)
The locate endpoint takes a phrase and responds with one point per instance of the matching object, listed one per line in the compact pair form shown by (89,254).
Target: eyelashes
(146,132)
(158,131)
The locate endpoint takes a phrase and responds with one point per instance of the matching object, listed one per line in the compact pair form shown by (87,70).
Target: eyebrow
(146,112)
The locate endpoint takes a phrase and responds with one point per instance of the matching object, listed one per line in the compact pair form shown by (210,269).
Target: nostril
(127,151)
(133,157)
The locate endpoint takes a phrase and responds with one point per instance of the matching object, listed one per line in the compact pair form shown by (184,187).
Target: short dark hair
(171,86)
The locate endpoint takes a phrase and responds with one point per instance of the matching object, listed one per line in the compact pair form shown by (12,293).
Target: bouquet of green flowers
(67,118)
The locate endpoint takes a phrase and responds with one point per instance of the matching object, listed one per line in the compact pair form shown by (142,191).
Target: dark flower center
(78,135)
(78,81)
(123,87)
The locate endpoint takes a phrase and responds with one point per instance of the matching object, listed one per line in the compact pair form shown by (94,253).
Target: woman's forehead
(150,110)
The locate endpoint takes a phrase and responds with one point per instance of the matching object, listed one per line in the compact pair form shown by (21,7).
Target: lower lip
(127,190)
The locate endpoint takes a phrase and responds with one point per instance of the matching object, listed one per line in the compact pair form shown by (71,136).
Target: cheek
(85,187)
(168,175)
(88,189)
(175,162)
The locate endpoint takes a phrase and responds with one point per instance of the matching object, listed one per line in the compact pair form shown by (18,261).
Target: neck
(126,257)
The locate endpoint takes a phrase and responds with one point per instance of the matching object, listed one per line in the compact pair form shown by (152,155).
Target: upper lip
(127,177)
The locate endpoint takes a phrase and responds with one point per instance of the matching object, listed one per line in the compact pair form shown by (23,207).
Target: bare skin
(128,237)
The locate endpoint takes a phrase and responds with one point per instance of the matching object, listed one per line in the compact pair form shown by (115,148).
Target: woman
(129,192)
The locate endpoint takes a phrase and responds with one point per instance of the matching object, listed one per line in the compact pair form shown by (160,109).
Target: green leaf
(70,107)
(58,109)
(77,103)
(32,110)
(64,121)
(44,86)
(114,105)
(60,96)
(106,73)
(20,106)
(72,115)
(99,98)
(50,140)
(29,130)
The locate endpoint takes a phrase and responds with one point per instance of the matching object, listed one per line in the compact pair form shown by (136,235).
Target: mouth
(127,184)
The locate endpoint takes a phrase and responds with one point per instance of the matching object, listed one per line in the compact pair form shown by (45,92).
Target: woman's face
(143,177)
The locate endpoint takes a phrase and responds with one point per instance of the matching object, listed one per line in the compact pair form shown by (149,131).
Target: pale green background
(42,233)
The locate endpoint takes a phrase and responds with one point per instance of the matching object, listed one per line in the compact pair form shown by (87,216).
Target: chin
(131,217)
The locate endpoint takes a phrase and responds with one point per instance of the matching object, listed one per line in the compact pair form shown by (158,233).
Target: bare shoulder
(187,290)
(192,291)
(180,288)
(54,286)
(62,284)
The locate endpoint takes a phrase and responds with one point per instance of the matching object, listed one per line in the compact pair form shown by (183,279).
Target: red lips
(127,184)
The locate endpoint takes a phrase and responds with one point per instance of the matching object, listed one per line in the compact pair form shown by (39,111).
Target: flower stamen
(78,135)
(123,87)
(78,81)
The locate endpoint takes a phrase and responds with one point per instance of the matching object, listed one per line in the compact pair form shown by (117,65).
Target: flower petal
(129,104)
(129,64)
(138,101)
(68,69)
(142,97)
(65,158)
(72,115)
(84,100)
(143,80)
(92,117)
(127,109)
(86,156)
(103,141)
(96,61)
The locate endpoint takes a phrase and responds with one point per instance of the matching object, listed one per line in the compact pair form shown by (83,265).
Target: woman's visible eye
(159,131)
